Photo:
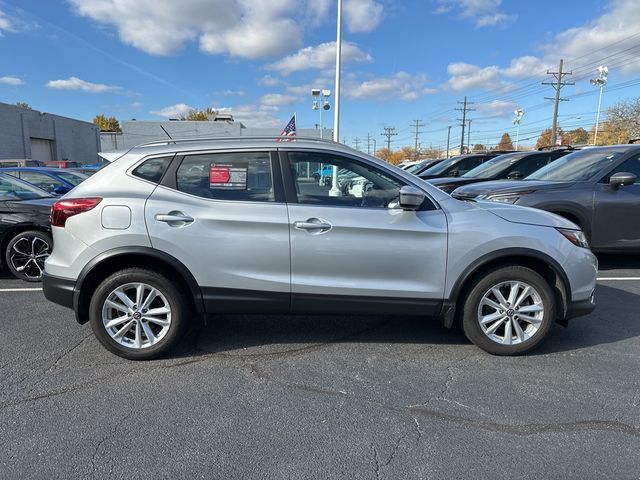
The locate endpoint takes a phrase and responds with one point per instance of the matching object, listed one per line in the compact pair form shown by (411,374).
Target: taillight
(64,209)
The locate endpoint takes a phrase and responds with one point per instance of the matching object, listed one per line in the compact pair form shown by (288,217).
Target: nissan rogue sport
(175,230)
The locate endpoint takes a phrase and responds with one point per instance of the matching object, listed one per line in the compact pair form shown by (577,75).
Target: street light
(601,81)
(516,121)
(319,104)
(335,191)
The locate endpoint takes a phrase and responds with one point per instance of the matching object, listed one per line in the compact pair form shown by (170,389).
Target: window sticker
(227,177)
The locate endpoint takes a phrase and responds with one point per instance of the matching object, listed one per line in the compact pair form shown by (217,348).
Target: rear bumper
(58,290)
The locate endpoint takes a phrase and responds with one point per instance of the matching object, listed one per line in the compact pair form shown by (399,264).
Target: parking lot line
(619,279)
(20,290)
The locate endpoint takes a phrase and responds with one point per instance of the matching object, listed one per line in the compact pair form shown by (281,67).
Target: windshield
(578,166)
(493,167)
(73,178)
(441,167)
(12,188)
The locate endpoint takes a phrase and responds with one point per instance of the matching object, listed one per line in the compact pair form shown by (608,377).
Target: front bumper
(58,290)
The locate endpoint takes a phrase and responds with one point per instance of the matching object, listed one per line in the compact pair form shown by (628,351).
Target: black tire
(33,267)
(176,299)
(483,284)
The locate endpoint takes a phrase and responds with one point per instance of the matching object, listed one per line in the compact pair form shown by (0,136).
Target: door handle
(313,225)
(175,219)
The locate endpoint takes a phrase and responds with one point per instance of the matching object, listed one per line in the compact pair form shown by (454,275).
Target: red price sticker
(219,174)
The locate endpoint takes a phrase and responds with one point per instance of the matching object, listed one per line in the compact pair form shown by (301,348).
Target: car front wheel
(138,314)
(508,311)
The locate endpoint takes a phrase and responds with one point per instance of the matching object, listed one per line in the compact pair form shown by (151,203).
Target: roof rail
(246,137)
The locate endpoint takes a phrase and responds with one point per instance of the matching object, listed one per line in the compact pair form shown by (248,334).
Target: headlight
(577,237)
(511,197)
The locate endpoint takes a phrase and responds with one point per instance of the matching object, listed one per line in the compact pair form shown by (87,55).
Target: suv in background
(514,166)
(178,228)
(596,188)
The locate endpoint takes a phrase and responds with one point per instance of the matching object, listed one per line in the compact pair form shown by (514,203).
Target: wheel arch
(146,257)
(539,262)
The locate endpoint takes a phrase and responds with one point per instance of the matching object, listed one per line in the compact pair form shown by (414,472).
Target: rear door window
(237,176)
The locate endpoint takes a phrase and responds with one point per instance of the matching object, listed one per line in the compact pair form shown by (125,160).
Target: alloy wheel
(27,256)
(136,315)
(511,312)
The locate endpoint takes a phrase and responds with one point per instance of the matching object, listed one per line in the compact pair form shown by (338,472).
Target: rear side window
(153,169)
(244,176)
(530,164)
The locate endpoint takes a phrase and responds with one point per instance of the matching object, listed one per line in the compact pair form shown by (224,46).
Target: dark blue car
(55,181)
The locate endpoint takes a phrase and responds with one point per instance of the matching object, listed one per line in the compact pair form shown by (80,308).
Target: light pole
(335,191)
(601,81)
(316,93)
(516,121)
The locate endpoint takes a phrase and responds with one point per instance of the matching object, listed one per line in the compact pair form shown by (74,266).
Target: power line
(559,75)
(465,108)
(389,132)
(417,124)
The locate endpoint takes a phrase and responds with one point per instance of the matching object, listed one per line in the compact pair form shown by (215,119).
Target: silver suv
(172,231)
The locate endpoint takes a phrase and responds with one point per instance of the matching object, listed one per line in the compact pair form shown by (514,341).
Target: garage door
(41,149)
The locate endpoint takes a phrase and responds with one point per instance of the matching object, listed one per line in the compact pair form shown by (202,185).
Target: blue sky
(258,59)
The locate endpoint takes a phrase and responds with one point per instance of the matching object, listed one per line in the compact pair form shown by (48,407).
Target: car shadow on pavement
(273,335)
(268,335)
(616,318)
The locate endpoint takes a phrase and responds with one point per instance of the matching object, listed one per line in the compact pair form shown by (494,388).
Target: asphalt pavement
(272,397)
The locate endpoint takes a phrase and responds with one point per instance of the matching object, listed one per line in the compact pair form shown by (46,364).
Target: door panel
(353,250)
(616,222)
(238,251)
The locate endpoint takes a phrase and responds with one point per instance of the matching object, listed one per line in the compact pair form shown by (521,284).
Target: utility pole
(389,132)
(465,108)
(368,144)
(558,84)
(448,139)
(469,136)
(356,142)
(417,124)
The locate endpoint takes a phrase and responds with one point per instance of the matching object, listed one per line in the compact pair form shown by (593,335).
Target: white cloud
(75,83)
(362,15)
(278,99)
(258,116)
(242,28)
(10,80)
(465,77)
(496,108)
(319,57)
(483,13)
(270,81)
(5,23)
(402,85)
(173,111)
(230,93)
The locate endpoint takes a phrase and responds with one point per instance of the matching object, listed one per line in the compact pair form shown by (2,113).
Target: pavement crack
(110,435)
(67,352)
(375,459)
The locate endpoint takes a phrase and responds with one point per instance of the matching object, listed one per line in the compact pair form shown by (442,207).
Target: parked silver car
(179,228)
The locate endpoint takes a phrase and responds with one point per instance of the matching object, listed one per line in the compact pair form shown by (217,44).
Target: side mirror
(411,198)
(60,190)
(621,179)
(515,176)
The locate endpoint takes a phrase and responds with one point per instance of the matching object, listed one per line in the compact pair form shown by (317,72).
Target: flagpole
(335,191)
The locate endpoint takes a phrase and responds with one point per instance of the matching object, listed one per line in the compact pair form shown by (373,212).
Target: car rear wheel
(508,311)
(26,253)
(138,314)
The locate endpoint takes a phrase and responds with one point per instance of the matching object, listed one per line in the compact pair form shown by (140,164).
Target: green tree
(579,136)
(107,124)
(624,116)
(610,134)
(478,147)
(505,142)
(199,115)
(23,105)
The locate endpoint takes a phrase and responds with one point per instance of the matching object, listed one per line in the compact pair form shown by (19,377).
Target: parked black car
(457,166)
(596,188)
(25,233)
(514,166)
(418,168)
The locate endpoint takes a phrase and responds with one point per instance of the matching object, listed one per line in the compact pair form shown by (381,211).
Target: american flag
(289,130)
